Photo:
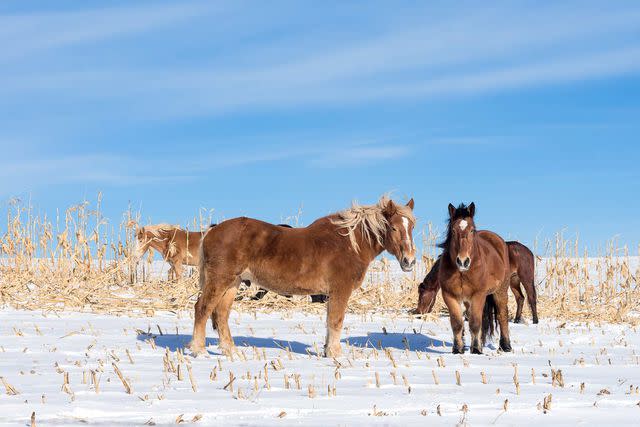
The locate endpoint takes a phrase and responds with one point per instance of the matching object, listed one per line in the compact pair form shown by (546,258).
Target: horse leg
(336,308)
(222,303)
(530,287)
(260,294)
(220,320)
(456,319)
(321,299)
(474,313)
(212,291)
(177,269)
(514,282)
(171,275)
(501,298)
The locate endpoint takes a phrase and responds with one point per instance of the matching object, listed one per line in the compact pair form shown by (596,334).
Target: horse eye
(393,228)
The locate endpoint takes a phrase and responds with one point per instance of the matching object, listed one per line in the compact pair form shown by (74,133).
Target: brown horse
(474,270)
(262,292)
(330,256)
(522,266)
(178,247)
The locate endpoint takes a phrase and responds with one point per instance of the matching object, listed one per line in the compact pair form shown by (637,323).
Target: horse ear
(452,210)
(390,208)
(411,203)
(472,209)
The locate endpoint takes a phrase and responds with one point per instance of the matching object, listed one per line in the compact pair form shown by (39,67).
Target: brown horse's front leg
(336,308)
(474,313)
(457,321)
(501,298)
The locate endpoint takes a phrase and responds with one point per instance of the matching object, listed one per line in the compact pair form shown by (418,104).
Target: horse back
(521,259)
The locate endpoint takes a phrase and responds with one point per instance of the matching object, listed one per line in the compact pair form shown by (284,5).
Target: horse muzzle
(463,264)
(407,264)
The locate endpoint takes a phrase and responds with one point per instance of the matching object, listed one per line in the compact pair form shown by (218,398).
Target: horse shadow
(412,342)
(174,342)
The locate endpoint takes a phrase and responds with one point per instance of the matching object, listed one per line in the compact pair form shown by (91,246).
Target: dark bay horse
(522,266)
(474,270)
(330,256)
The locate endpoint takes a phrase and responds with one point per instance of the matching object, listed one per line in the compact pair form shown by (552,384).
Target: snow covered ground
(416,373)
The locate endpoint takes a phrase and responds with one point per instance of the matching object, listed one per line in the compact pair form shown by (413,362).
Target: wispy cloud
(29,33)
(468,53)
(358,155)
(21,174)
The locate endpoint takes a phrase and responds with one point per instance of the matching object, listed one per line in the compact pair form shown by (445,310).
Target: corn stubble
(80,261)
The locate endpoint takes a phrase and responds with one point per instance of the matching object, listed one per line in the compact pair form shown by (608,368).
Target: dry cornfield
(98,339)
(82,262)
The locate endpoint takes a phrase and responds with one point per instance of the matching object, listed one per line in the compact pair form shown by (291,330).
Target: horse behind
(522,266)
(474,270)
(330,256)
(178,247)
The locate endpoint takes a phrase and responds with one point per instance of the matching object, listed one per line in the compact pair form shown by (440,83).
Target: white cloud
(358,155)
(20,173)
(26,34)
(452,53)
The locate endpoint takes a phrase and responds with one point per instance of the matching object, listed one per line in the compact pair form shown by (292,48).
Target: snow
(37,348)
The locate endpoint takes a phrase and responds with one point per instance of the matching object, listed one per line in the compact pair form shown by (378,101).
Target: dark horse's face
(399,238)
(463,231)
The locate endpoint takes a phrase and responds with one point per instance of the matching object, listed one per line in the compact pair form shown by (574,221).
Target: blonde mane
(160,231)
(370,220)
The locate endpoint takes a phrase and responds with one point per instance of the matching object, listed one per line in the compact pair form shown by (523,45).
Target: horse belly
(284,284)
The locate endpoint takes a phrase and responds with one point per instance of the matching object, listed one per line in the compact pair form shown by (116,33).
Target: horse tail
(201,267)
(489,317)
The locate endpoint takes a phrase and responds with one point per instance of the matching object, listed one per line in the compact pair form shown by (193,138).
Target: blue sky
(252,108)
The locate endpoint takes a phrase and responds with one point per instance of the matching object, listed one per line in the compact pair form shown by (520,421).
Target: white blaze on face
(405,223)
(406,238)
(463,224)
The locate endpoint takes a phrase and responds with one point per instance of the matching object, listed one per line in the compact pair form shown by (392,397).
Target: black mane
(462,211)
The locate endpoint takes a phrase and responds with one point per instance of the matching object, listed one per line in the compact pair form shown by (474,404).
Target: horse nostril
(459,261)
(467,262)
(405,260)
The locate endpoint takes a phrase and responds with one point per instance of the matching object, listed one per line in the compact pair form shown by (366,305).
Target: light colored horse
(178,247)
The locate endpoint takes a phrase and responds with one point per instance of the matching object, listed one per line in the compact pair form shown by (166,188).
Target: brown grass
(79,261)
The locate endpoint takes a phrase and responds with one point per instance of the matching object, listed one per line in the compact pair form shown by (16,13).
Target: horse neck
(369,250)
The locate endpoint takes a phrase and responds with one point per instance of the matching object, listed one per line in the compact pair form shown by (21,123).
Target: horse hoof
(535,320)
(332,353)
(227,350)
(475,350)
(517,320)
(196,350)
(457,350)
(506,348)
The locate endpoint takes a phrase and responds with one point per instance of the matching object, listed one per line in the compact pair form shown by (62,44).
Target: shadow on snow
(174,342)
(378,340)
(414,342)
